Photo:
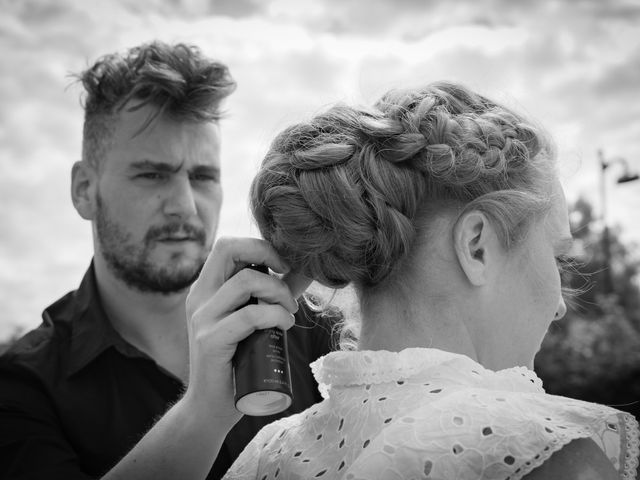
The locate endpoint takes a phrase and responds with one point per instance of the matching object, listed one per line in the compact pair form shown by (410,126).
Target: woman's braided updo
(342,196)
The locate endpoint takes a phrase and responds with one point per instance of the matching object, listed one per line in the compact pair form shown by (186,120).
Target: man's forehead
(167,145)
(145,125)
(136,119)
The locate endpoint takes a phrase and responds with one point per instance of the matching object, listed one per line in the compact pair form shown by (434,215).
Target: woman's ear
(474,241)
(83,189)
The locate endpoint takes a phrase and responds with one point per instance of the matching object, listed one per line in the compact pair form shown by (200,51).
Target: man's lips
(177,239)
(175,234)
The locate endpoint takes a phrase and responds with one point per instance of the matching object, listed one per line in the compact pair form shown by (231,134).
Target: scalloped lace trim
(632,432)
(375,367)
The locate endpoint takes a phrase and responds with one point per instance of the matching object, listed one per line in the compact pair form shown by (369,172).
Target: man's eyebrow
(165,167)
(155,166)
(205,169)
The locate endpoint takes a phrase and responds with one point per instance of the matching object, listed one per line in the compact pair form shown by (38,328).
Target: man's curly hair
(176,79)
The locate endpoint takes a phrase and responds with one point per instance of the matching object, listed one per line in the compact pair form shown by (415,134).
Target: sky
(572,65)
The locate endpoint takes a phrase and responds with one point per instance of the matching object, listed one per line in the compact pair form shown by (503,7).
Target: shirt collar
(346,368)
(91,331)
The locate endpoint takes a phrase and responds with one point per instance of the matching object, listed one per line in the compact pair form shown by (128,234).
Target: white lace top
(424,413)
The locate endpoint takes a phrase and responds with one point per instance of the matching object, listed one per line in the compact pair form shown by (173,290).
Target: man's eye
(205,178)
(151,176)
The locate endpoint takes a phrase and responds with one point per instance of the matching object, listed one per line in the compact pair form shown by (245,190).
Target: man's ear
(474,241)
(84,180)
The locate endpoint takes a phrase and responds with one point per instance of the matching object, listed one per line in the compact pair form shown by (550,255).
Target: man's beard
(132,263)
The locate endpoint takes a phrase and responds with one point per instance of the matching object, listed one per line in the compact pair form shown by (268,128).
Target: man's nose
(180,200)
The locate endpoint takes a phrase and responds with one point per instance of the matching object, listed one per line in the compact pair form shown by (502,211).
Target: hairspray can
(261,370)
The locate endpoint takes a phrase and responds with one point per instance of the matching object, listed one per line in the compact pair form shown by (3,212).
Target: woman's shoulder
(580,459)
(494,434)
(277,436)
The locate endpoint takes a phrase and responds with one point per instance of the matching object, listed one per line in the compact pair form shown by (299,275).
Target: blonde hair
(342,196)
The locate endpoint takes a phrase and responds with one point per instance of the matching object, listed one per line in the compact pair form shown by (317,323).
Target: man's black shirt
(75,397)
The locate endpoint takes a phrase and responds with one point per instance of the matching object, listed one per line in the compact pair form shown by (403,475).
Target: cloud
(570,64)
(622,78)
(237,8)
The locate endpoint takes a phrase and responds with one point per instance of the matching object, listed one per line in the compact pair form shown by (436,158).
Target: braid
(339,196)
(458,137)
(329,204)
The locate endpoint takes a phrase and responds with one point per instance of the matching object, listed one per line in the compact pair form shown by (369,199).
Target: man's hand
(217,319)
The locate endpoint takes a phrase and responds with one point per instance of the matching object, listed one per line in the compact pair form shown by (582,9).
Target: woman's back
(425,413)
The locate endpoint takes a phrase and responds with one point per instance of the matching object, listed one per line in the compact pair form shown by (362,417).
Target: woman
(444,211)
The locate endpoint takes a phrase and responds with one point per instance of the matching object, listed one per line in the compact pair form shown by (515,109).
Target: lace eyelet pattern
(425,413)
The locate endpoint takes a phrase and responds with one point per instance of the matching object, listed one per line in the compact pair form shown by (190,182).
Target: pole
(606,241)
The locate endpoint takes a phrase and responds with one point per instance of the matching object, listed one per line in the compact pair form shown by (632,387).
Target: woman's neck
(422,322)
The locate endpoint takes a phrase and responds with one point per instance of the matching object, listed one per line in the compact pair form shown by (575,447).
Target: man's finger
(236,327)
(232,254)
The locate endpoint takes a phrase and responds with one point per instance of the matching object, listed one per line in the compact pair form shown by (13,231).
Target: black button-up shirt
(75,397)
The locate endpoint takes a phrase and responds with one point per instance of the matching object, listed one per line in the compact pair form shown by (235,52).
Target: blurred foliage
(593,353)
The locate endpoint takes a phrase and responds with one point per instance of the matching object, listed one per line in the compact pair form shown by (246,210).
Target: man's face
(158,201)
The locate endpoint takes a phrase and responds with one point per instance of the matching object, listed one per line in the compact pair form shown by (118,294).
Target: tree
(594,353)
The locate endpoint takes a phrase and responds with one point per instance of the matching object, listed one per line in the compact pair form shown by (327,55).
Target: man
(81,396)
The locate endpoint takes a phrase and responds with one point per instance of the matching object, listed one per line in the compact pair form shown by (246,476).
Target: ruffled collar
(347,368)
